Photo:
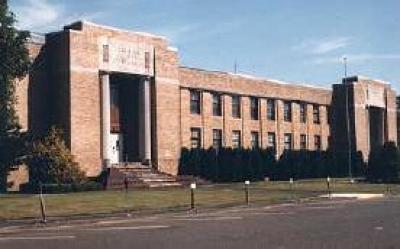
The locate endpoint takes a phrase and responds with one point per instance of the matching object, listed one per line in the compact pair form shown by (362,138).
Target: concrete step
(139,176)
(158,180)
(165,184)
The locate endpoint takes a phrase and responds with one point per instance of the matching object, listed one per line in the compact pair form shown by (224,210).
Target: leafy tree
(14,63)
(51,162)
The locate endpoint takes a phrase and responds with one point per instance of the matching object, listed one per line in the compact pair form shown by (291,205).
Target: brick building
(398,118)
(122,96)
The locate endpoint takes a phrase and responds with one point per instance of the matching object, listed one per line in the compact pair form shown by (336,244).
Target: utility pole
(348,119)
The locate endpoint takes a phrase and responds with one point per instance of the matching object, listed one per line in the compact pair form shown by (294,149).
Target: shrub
(12,151)
(50,162)
(226,164)
(384,164)
(232,165)
(62,188)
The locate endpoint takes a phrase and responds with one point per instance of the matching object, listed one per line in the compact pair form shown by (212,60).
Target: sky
(290,40)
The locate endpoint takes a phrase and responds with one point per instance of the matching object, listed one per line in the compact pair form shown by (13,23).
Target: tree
(14,63)
(50,162)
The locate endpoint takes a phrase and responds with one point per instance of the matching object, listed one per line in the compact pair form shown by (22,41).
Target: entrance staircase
(138,175)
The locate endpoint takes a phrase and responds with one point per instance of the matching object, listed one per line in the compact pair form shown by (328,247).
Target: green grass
(18,206)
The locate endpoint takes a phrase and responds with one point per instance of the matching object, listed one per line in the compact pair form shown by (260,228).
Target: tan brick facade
(69,81)
(235,85)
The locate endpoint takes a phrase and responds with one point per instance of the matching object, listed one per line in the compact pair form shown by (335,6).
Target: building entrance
(126,135)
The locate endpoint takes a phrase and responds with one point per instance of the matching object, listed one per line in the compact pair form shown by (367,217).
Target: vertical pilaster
(105,114)
(145,121)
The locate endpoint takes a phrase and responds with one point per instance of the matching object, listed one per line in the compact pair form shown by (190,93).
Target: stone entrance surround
(144,120)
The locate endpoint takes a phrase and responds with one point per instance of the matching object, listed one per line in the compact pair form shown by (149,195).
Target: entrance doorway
(116,148)
(124,118)
(376,126)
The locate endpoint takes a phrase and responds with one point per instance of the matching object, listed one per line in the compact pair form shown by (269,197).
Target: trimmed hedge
(234,165)
(384,164)
(62,188)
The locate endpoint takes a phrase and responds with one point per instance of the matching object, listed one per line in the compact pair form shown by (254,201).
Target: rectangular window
(147,61)
(217,139)
(316,117)
(236,139)
(254,140)
(254,108)
(270,109)
(288,144)
(287,111)
(303,112)
(195,102)
(217,104)
(106,53)
(195,138)
(317,142)
(271,140)
(236,106)
(303,141)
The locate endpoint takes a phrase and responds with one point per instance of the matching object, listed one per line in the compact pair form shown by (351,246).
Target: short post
(388,191)
(246,189)
(328,181)
(42,204)
(291,187)
(126,184)
(192,203)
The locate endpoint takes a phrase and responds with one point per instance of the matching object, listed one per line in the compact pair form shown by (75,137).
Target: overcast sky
(296,41)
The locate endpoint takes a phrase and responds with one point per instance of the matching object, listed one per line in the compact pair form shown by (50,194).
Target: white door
(116,148)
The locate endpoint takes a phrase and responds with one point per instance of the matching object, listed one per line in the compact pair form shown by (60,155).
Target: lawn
(18,206)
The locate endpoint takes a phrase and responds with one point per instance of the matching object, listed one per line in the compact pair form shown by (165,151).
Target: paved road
(349,224)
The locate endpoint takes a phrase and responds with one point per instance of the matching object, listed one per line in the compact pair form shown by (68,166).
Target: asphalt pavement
(332,224)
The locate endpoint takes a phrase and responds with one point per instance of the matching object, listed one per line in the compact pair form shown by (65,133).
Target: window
(236,106)
(195,138)
(271,140)
(217,104)
(270,109)
(316,119)
(236,139)
(303,141)
(254,108)
(254,139)
(317,142)
(303,112)
(287,111)
(147,61)
(217,139)
(195,102)
(106,53)
(288,141)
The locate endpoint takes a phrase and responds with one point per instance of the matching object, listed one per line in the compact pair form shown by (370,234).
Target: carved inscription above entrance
(126,57)
(376,96)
